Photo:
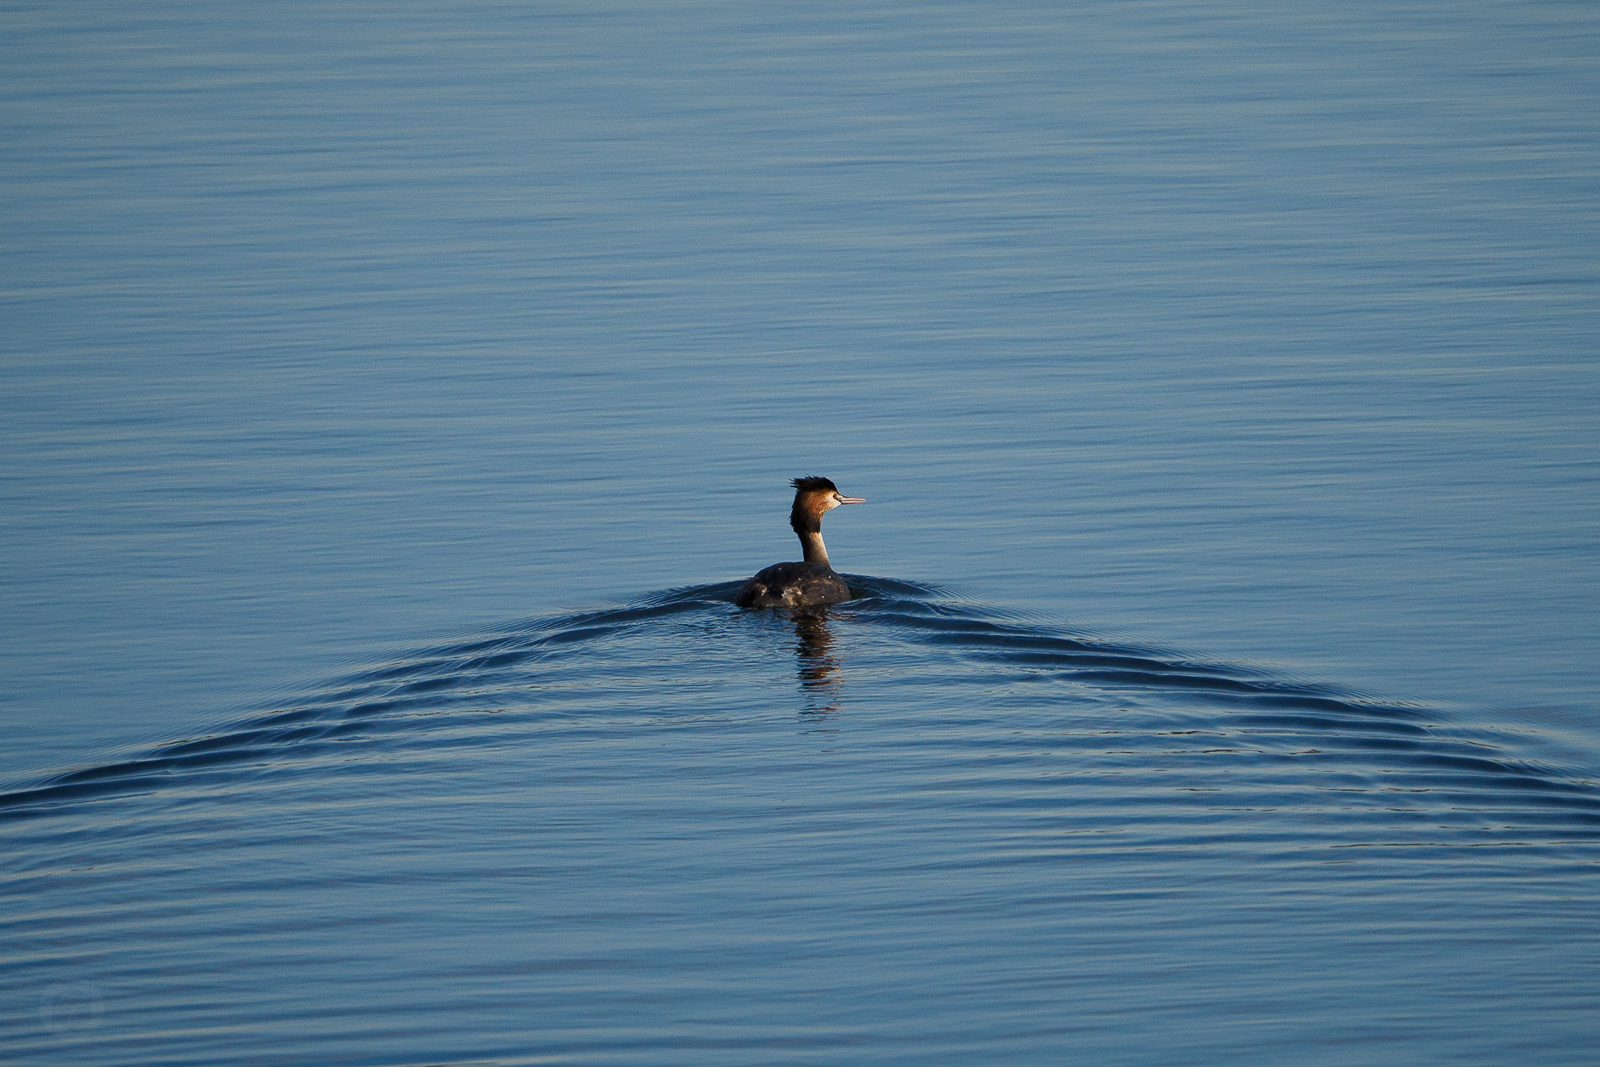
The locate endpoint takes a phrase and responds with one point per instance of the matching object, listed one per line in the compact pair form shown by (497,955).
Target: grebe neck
(815,550)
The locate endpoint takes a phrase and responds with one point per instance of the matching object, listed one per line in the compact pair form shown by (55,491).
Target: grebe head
(814,498)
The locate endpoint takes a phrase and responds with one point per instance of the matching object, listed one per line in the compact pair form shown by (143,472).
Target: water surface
(1250,349)
(898,831)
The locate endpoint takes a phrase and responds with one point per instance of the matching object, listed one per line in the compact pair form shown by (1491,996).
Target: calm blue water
(1223,381)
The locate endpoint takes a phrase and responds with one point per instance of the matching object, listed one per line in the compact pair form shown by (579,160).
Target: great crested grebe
(812,582)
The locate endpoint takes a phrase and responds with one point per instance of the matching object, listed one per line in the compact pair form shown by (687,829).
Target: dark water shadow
(820,671)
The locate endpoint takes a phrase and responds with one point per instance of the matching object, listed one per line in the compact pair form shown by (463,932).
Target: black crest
(807,485)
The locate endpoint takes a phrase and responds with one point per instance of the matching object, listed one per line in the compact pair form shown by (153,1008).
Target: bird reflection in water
(817,666)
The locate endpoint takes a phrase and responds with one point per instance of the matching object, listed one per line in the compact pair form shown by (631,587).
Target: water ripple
(637,813)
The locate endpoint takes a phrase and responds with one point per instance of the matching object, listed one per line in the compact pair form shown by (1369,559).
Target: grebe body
(811,582)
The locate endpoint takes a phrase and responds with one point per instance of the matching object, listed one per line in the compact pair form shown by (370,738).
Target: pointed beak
(852,500)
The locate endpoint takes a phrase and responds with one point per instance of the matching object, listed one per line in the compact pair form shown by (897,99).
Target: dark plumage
(811,582)
(794,585)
